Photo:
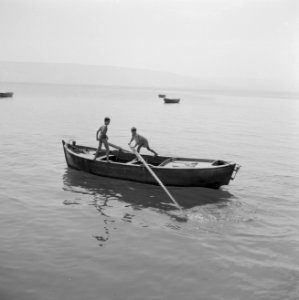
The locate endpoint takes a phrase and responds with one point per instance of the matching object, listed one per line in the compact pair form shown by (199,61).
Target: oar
(119,148)
(159,181)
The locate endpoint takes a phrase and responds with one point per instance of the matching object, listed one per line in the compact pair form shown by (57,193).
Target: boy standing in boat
(140,141)
(102,137)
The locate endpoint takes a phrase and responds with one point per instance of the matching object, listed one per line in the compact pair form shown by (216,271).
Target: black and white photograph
(149,149)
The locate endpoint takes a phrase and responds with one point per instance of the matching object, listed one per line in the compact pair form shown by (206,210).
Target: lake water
(66,234)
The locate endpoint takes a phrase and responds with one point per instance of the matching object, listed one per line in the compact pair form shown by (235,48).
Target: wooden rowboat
(161,96)
(172,171)
(6,95)
(171,100)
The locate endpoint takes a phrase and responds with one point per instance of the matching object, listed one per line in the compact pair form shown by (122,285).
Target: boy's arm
(131,140)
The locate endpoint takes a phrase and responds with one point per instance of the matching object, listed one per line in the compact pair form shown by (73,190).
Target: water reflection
(139,195)
(120,200)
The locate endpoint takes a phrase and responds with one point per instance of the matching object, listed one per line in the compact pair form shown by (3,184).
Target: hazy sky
(205,38)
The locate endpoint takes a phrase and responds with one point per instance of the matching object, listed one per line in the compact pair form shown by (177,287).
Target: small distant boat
(161,96)
(173,171)
(171,100)
(6,95)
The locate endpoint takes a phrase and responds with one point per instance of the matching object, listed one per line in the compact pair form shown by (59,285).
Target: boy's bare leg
(98,150)
(107,149)
(151,150)
(138,148)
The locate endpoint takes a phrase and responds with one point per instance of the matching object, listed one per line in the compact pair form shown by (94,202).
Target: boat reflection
(140,195)
(122,200)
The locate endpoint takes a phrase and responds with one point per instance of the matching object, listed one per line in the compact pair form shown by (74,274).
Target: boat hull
(213,177)
(168,100)
(6,95)
(161,96)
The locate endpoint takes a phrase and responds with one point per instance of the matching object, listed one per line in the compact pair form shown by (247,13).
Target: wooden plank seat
(166,161)
(104,157)
(133,161)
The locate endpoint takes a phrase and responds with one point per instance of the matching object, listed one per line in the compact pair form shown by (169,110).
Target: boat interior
(129,158)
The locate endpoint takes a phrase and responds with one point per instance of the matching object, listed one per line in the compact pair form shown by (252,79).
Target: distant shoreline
(157,90)
(125,77)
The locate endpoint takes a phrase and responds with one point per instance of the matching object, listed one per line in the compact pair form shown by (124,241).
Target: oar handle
(118,148)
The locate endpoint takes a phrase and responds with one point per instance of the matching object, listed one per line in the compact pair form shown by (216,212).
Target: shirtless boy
(102,137)
(140,141)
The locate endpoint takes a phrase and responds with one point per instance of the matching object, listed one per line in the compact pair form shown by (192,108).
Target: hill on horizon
(56,73)
(73,74)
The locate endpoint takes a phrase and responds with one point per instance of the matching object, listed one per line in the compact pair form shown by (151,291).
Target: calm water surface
(70,235)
